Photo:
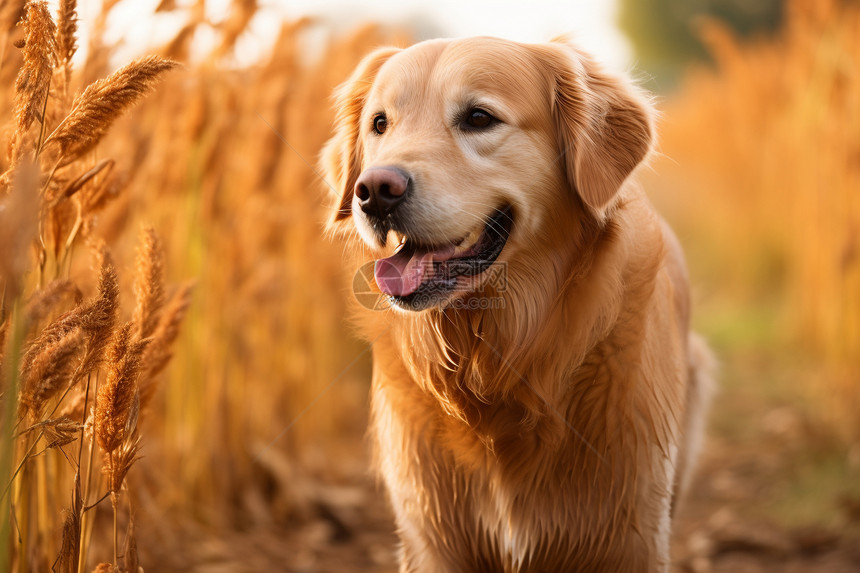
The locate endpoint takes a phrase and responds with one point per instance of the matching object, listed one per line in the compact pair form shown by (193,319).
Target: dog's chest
(519,503)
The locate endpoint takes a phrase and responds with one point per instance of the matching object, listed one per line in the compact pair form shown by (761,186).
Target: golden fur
(551,434)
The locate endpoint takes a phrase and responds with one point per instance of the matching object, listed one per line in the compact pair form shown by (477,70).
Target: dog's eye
(477,118)
(380,123)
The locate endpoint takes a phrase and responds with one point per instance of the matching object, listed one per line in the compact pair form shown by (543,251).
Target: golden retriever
(537,394)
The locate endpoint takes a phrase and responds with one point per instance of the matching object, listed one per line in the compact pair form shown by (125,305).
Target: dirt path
(724,526)
(716,533)
(345,526)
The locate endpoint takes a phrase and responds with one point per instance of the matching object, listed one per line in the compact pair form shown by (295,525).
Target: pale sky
(591,22)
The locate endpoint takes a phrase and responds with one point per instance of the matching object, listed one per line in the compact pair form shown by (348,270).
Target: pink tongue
(402,273)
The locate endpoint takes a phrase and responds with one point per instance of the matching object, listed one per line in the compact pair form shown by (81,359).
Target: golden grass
(771,181)
(66,365)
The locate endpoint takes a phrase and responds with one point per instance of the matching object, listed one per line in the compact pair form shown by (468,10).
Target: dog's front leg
(432,506)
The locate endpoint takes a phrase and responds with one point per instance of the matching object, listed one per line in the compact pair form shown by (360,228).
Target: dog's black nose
(380,189)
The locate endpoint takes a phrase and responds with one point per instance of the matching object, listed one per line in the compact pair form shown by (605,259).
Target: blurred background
(253,456)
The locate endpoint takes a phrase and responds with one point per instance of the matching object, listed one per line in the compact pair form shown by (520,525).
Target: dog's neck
(475,363)
(471,359)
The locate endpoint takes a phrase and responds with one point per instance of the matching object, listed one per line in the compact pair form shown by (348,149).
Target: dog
(538,396)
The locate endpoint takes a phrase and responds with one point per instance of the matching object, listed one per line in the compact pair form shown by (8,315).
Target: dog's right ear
(341,156)
(603,124)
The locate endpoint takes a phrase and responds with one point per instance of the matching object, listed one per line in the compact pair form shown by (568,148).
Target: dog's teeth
(471,238)
(466,243)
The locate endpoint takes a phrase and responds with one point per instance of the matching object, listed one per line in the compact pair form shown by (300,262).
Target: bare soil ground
(730,522)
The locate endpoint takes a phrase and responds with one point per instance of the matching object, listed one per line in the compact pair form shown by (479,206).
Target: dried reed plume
(94,321)
(148,285)
(104,101)
(44,301)
(66,39)
(48,370)
(100,315)
(158,353)
(34,79)
(117,396)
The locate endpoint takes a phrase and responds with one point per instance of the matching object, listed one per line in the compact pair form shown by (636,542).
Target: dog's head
(452,155)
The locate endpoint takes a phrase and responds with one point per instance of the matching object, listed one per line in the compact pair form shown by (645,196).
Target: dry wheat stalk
(148,285)
(76,184)
(241,13)
(131,559)
(117,395)
(116,466)
(67,560)
(105,568)
(73,405)
(166,6)
(179,46)
(19,215)
(104,101)
(120,461)
(4,328)
(5,319)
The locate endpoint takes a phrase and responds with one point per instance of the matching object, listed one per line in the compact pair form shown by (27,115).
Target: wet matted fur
(553,430)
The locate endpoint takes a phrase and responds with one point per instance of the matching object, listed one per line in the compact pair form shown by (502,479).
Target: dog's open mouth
(418,277)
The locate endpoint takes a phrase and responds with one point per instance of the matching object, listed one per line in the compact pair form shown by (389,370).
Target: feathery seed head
(34,79)
(148,285)
(116,397)
(102,102)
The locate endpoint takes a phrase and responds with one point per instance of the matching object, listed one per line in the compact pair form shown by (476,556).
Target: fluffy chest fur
(568,460)
(568,489)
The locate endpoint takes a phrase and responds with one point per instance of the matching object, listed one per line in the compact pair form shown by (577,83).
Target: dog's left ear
(341,156)
(604,127)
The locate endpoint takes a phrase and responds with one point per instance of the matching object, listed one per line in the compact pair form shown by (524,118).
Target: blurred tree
(664,36)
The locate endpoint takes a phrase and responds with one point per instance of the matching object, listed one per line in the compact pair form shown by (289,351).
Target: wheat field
(771,184)
(181,389)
